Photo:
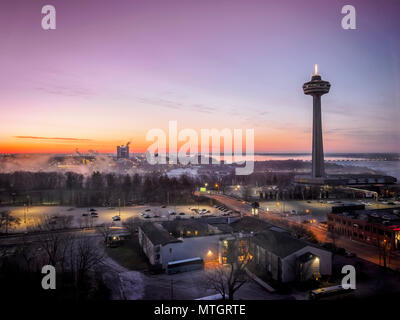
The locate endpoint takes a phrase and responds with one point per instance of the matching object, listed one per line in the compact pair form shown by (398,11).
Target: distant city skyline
(112,70)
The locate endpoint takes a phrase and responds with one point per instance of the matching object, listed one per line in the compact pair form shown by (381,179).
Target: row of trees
(98,189)
(112,189)
(76,258)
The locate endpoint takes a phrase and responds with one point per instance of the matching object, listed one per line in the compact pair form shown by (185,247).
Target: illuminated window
(224,260)
(196,233)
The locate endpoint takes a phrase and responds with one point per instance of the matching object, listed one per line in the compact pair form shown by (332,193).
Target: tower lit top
(315,69)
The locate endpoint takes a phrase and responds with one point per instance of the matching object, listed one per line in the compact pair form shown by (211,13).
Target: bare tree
(55,244)
(131,225)
(64,221)
(105,230)
(84,257)
(227,279)
(7,221)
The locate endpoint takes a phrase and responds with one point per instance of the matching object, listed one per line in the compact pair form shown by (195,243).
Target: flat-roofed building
(379,227)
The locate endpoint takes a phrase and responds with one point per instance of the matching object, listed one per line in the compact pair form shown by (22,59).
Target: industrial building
(123,151)
(379,227)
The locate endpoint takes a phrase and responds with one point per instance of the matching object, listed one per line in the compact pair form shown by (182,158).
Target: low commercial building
(379,227)
(275,253)
(152,238)
(161,245)
(287,259)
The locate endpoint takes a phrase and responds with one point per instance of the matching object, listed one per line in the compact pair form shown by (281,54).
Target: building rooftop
(347,179)
(156,233)
(180,227)
(279,243)
(387,216)
(250,224)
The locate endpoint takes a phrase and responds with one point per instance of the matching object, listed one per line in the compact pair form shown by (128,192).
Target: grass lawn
(128,255)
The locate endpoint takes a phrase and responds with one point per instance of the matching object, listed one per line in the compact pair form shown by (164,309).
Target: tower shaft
(316,88)
(318,169)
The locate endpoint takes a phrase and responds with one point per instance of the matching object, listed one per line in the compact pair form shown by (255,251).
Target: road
(20,238)
(364,251)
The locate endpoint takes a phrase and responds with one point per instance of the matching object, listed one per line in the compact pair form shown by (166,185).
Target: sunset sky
(114,69)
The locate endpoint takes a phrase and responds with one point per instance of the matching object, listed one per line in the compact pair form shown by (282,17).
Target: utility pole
(172,289)
(119,207)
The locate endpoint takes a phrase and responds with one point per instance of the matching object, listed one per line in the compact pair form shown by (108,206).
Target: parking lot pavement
(81,217)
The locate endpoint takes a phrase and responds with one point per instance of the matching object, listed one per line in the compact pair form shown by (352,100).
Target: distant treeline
(98,189)
(112,189)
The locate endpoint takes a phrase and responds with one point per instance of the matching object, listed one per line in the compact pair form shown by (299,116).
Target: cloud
(51,138)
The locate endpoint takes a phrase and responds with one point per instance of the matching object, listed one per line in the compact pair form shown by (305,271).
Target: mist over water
(387,164)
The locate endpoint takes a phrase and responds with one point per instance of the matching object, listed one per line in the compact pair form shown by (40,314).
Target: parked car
(147,210)
(181,213)
(116,218)
(85,214)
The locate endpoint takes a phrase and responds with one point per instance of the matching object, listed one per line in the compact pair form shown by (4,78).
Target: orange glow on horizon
(273,142)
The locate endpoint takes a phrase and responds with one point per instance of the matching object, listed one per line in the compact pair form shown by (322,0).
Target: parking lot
(88,217)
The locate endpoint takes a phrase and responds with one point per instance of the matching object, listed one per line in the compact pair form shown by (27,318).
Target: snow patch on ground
(132,285)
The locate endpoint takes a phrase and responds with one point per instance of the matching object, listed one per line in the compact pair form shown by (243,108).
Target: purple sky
(114,69)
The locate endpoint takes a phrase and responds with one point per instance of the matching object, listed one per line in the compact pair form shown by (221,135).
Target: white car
(116,218)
